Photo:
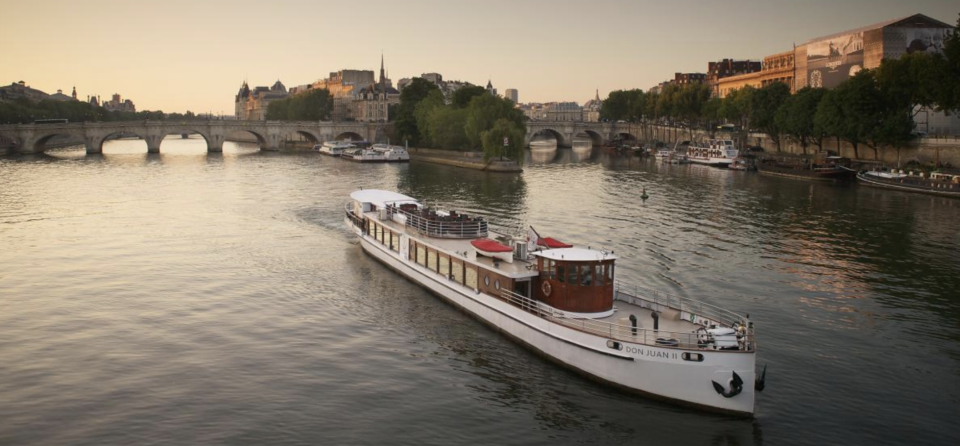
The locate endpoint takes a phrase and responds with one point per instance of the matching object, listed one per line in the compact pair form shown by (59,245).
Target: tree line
(25,111)
(873,109)
(473,119)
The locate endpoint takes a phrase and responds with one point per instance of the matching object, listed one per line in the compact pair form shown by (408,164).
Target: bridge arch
(627,137)
(558,136)
(353,136)
(165,132)
(595,138)
(98,142)
(39,142)
(261,137)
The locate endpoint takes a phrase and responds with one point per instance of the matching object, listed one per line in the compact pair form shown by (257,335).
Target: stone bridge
(598,132)
(32,138)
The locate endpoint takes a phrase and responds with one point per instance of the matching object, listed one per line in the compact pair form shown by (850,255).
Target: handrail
(474,228)
(694,307)
(627,333)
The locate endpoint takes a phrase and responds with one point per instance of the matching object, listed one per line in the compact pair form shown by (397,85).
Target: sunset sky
(178,55)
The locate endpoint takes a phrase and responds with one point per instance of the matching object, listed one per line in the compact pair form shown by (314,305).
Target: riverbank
(467,160)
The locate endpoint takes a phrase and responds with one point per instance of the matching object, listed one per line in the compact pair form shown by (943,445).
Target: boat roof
(575,254)
(379,197)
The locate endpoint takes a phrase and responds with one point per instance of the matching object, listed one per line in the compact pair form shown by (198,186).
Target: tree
(406,122)
(424,114)
(796,117)
(504,138)
(764,103)
(446,128)
(948,95)
(462,97)
(484,111)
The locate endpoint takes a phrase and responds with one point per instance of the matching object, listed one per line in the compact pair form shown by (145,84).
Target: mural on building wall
(832,61)
(925,39)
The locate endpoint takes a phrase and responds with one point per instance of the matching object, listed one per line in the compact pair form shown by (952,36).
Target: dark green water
(187,298)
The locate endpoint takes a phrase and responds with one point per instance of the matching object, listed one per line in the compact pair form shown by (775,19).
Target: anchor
(736,386)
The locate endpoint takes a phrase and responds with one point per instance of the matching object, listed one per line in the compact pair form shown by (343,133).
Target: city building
(511,94)
(689,78)
(120,105)
(20,90)
(59,96)
(778,67)
(490,88)
(563,111)
(591,110)
(372,102)
(727,68)
(251,105)
(533,111)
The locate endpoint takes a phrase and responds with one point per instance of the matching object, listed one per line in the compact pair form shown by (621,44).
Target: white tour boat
(378,153)
(565,303)
(333,148)
(717,152)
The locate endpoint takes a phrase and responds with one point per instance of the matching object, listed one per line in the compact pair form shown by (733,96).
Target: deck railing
(441,226)
(628,333)
(357,221)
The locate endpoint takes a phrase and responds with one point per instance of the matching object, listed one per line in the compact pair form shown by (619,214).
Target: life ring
(547,289)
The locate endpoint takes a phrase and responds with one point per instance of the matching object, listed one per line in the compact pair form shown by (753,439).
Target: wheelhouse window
(572,274)
(586,275)
(561,270)
(601,274)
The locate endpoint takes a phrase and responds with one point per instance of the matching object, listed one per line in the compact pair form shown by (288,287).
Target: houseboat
(716,152)
(829,168)
(565,302)
(334,148)
(377,153)
(936,183)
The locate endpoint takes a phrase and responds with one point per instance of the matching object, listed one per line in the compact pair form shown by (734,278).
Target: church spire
(597,98)
(383,76)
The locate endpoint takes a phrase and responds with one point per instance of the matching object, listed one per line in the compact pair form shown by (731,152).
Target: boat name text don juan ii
(565,303)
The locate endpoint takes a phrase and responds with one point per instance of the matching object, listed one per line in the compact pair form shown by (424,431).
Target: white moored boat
(333,148)
(716,152)
(565,302)
(378,153)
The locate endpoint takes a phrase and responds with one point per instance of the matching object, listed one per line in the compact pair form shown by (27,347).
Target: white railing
(441,226)
(628,333)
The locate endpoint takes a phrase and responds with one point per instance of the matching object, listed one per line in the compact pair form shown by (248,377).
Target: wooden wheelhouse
(576,280)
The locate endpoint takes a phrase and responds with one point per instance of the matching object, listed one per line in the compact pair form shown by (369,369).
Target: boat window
(380,233)
(470,279)
(551,269)
(444,265)
(432,259)
(601,274)
(422,255)
(456,268)
(560,276)
(496,284)
(586,275)
(394,241)
(610,273)
(572,274)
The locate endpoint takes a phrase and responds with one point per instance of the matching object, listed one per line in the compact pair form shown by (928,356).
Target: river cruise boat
(829,168)
(716,152)
(566,303)
(937,183)
(377,153)
(334,148)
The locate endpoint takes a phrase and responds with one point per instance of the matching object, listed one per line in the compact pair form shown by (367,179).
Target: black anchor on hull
(735,387)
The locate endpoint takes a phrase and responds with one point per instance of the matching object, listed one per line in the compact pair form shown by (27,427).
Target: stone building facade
(252,105)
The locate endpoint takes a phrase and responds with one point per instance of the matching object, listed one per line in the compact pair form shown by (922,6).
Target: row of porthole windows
(448,266)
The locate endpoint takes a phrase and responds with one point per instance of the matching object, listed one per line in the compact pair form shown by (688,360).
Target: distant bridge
(598,132)
(32,138)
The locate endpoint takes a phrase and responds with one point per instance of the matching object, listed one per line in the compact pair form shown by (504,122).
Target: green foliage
(493,139)
(423,115)
(484,111)
(627,105)
(314,105)
(463,96)
(763,106)
(406,121)
(795,117)
(948,97)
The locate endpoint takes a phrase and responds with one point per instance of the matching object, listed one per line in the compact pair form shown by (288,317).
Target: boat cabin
(576,280)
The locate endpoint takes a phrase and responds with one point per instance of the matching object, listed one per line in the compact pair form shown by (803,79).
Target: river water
(193,298)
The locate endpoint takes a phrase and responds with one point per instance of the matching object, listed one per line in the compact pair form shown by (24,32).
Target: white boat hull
(654,371)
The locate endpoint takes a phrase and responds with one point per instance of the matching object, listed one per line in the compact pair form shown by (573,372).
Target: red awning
(488,245)
(552,243)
